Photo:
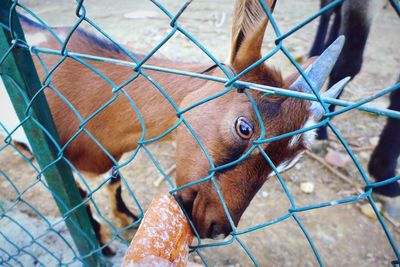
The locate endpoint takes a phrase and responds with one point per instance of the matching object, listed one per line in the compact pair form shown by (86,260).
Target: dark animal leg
(119,209)
(319,44)
(98,228)
(335,28)
(354,25)
(382,164)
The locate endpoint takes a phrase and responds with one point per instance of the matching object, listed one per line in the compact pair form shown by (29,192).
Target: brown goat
(227,125)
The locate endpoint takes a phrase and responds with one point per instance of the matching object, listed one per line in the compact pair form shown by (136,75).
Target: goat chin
(219,237)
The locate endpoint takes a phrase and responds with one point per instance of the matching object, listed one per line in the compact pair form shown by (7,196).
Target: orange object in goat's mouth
(163,237)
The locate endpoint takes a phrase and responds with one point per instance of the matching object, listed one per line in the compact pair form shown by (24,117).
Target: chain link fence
(53,172)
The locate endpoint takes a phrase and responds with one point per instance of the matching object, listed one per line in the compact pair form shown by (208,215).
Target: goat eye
(244,128)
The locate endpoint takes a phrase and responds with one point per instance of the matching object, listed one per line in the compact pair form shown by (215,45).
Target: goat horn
(316,108)
(322,67)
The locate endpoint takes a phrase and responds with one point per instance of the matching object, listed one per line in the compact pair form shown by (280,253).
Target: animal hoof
(320,146)
(108,251)
(391,206)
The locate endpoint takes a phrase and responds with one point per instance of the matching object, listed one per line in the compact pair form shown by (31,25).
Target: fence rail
(22,82)
(26,92)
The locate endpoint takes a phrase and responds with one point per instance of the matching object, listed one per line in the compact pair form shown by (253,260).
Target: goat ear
(248,27)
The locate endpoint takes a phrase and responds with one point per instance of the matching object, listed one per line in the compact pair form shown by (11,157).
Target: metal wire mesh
(18,254)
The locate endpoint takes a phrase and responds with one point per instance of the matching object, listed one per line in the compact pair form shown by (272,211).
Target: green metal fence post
(18,65)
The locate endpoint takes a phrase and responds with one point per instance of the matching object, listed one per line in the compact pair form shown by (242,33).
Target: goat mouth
(220,237)
(215,233)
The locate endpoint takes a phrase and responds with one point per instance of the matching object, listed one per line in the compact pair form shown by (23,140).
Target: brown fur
(117,127)
(118,130)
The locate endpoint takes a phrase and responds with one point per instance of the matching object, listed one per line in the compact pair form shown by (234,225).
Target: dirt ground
(342,234)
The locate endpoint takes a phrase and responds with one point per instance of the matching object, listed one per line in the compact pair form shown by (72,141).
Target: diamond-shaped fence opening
(44,217)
